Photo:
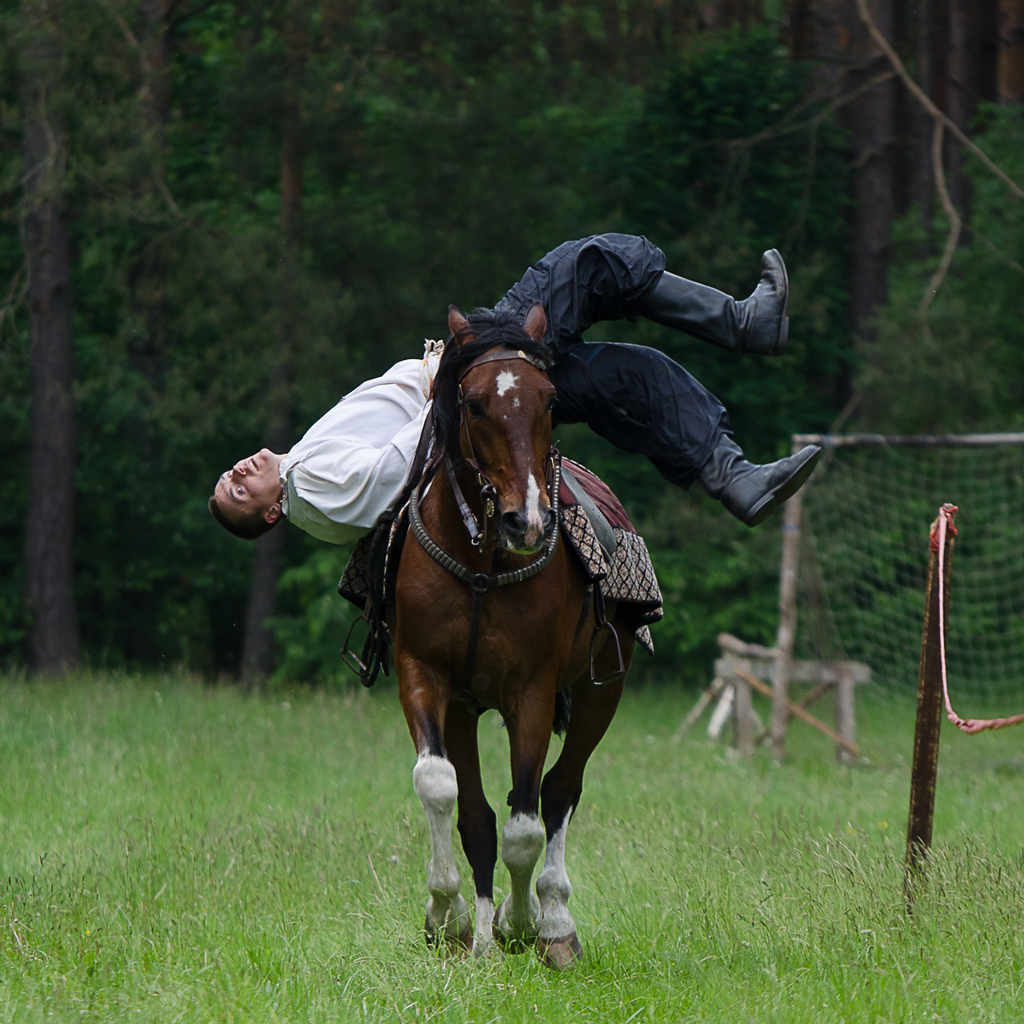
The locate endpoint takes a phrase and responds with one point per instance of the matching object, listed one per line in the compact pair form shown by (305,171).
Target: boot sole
(767,505)
(778,348)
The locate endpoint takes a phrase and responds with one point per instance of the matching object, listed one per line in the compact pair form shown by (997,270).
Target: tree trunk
(53,643)
(923,178)
(849,58)
(1011,51)
(973,53)
(257,646)
(155,36)
(148,272)
(801,29)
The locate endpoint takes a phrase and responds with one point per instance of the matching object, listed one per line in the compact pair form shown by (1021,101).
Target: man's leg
(756,324)
(644,402)
(611,277)
(637,397)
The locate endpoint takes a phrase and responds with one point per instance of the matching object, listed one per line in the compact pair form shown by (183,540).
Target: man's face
(252,484)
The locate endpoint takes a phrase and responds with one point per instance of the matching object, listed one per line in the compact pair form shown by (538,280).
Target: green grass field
(177,853)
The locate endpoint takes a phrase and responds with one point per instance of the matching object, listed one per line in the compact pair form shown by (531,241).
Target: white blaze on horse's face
(507,417)
(535,529)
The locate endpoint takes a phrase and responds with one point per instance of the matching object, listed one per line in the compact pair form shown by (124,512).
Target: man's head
(247,498)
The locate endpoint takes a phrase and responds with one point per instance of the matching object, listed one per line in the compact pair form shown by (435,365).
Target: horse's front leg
(476,818)
(436,785)
(522,839)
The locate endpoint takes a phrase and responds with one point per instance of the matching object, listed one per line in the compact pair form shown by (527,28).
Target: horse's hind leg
(436,785)
(476,818)
(593,708)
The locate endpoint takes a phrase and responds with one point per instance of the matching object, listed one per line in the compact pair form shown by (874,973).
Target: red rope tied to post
(938,543)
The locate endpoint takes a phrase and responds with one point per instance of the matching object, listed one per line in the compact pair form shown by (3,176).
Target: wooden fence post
(846,724)
(787,623)
(744,711)
(929,718)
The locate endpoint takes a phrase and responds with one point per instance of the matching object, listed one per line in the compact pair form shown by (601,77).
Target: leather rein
(481,583)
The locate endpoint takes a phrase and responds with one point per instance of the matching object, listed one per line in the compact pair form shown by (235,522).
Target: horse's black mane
(489,328)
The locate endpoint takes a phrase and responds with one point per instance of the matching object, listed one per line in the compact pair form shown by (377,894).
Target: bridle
(488,492)
(481,583)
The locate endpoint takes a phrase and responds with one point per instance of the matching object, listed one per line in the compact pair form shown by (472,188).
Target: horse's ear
(536,322)
(459,326)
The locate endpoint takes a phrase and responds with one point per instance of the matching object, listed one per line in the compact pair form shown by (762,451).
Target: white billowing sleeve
(352,463)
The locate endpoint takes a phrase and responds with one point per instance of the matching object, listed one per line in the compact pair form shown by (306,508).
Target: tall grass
(173,852)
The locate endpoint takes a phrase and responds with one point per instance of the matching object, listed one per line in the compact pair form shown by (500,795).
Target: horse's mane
(490,328)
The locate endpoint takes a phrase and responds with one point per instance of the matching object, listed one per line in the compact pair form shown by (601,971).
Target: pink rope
(938,543)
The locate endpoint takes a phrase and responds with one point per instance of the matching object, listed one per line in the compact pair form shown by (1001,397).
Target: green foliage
(445,148)
(966,371)
(312,621)
(723,162)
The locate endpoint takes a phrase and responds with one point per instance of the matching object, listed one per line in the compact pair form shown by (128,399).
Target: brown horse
(519,649)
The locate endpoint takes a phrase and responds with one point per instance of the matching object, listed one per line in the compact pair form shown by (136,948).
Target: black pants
(635,397)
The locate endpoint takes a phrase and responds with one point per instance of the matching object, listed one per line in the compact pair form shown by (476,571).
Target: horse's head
(493,407)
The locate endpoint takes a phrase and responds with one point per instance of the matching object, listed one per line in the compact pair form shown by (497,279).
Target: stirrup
(359,665)
(619,674)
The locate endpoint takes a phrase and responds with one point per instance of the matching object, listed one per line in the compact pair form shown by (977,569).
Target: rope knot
(948,512)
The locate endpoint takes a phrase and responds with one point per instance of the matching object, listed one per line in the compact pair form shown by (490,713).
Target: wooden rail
(906,440)
(745,666)
(796,709)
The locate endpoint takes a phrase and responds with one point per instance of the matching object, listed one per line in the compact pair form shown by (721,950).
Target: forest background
(217,218)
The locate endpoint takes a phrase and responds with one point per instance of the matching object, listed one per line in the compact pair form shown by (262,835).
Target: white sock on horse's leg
(483,938)
(554,889)
(522,840)
(435,783)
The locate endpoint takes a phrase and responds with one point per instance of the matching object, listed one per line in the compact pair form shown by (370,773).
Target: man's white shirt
(351,465)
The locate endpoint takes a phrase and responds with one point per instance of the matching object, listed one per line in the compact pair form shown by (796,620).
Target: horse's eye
(475,408)
(551,403)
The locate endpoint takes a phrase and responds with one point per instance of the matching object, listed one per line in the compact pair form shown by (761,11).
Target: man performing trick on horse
(352,464)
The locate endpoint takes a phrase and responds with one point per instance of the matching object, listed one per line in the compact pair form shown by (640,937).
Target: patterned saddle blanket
(625,575)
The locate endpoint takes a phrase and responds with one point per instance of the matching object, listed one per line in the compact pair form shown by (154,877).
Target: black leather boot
(756,324)
(751,492)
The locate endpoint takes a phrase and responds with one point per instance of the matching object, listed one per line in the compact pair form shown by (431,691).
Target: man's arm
(352,463)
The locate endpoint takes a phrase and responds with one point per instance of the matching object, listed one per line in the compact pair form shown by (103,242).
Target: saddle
(595,526)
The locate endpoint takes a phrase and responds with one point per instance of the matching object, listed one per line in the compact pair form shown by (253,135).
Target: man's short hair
(248,525)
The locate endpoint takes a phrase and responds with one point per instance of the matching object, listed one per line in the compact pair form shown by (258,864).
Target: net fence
(864,562)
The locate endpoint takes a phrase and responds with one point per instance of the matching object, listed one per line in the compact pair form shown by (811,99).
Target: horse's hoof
(455,944)
(560,954)
(511,943)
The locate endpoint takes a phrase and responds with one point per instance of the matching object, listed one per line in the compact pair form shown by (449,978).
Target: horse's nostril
(547,516)
(515,523)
